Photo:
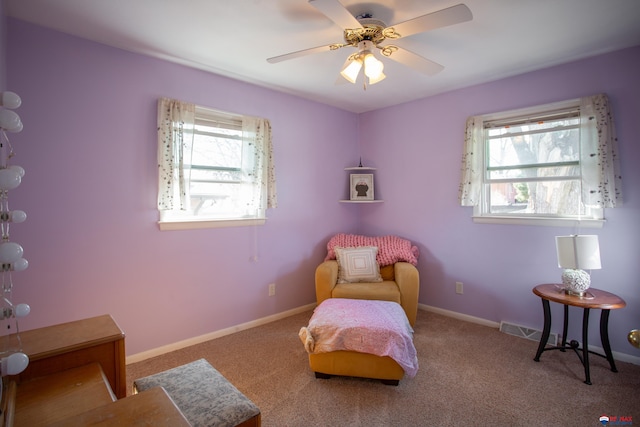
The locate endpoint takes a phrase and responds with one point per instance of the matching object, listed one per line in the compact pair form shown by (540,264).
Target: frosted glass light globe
(18,169)
(10,120)
(14,364)
(10,100)
(9,179)
(22,310)
(10,252)
(20,265)
(17,216)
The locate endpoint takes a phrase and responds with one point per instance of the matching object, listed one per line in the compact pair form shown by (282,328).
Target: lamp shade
(377,79)
(372,66)
(350,72)
(580,252)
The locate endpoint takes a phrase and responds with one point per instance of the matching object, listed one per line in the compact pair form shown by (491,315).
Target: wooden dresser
(77,376)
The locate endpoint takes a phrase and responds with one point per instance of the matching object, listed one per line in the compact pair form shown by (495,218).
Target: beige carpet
(470,375)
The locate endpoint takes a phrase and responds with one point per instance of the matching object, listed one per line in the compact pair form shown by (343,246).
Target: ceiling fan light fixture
(373,67)
(378,78)
(351,71)
(367,33)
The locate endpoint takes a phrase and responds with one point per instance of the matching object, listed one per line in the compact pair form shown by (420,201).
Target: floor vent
(528,333)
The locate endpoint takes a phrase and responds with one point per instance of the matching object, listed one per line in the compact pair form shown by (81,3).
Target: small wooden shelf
(367,170)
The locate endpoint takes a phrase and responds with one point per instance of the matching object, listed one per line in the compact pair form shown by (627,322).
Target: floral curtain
(471,180)
(259,168)
(601,179)
(175,141)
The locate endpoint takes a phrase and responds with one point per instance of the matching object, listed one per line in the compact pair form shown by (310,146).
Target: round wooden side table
(594,298)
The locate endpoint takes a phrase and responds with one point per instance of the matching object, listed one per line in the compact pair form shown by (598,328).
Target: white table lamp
(577,253)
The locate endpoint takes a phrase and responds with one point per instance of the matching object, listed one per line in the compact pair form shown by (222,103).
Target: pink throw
(364,326)
(391,249)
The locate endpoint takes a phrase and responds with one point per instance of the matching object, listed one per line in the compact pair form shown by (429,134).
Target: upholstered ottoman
(360,338)
(204,396)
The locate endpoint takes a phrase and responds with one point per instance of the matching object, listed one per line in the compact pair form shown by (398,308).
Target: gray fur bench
(204,396)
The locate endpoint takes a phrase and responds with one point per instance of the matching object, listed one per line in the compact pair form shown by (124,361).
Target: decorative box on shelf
(361,185)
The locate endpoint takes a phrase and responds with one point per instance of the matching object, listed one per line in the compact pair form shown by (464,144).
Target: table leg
(565,327)
(604,337)
(585,346)
(545,330)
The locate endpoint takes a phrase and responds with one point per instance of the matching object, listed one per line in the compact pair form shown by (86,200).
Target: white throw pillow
(358,264)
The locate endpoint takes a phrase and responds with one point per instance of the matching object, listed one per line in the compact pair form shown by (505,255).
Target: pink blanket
(391,249)
(364,326)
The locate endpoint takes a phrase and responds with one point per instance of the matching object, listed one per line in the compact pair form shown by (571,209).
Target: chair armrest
(326,278)
(408,281)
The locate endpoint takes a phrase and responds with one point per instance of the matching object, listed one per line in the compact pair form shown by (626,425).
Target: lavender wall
(91,238)
(3,32)
(418,159)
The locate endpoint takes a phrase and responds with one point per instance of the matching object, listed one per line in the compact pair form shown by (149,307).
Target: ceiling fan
(365,33)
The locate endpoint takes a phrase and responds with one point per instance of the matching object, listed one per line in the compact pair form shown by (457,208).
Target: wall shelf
(367,172)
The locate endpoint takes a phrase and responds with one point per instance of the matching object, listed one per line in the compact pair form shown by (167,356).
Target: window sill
(209,223)
(546,222)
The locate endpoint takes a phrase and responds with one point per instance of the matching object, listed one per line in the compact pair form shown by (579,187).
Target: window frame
(481,212)
(171,220)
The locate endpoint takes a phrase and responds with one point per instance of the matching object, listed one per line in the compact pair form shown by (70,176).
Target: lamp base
(575,294)
(576,282)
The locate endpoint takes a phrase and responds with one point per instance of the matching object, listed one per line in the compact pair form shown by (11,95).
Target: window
(533,166)
(216,168)
(542,165)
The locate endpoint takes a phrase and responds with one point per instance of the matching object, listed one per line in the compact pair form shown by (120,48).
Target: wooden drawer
(45,400)
(68,345)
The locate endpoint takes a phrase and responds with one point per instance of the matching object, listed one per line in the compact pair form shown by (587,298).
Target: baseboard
(623,357)
(460,316)
(617,356)
(138,357)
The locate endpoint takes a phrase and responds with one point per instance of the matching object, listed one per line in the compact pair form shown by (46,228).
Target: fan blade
(335,11)
(431,21)
(416,62)
(300,53)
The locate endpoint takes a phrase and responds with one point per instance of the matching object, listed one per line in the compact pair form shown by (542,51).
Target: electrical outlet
(272,289)
(459,288)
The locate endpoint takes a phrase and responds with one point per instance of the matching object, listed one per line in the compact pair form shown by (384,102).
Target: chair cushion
(382,291)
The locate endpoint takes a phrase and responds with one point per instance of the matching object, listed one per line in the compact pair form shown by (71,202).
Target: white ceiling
(235,37)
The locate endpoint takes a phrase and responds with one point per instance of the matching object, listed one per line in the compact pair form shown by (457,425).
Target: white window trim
(548,222)
(211,223)
(480,218)
(562,105)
